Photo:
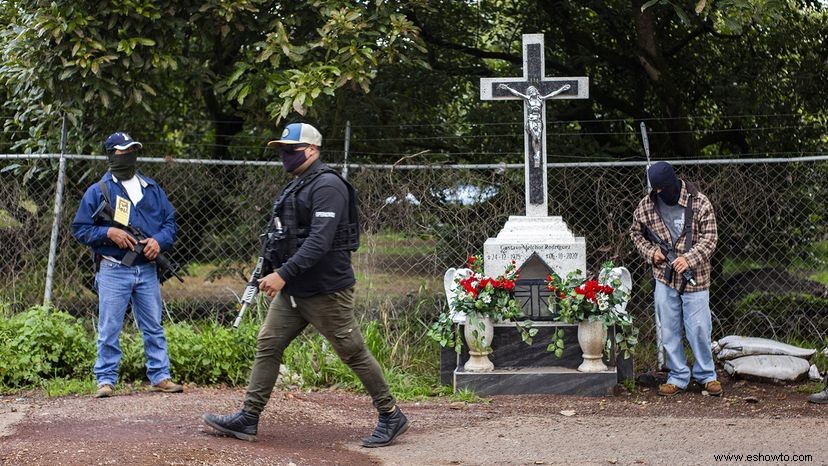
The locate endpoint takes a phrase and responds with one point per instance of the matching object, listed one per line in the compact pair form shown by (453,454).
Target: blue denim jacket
(154,216)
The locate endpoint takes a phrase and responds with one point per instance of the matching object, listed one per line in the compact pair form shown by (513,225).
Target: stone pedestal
(529,369)
(537,245)
(548,237)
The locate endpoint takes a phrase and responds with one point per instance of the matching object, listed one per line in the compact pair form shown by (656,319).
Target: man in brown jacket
(678,221)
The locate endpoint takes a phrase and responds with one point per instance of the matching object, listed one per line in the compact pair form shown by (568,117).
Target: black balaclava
(123,165)
(662,176)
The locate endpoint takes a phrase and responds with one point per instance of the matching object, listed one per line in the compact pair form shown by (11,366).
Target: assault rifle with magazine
(670,253)
(105,215)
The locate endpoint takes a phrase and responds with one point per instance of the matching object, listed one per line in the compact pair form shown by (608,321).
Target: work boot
(105,390)
(389,426)
(242,425)
(820,397)
(714,388)
(669,389)
(167,386)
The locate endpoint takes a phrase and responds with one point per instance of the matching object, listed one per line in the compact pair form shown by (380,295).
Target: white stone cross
(534,89)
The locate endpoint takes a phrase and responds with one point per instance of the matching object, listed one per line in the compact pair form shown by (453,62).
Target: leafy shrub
(202,354)
(43,343)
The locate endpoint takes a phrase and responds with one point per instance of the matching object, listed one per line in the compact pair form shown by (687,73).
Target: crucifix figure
(534,119)
(534,89)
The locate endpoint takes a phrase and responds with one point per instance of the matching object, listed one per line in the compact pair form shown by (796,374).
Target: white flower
(486,298)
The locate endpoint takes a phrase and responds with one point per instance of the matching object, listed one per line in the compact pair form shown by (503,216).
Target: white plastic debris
(813,373)
(768,367)
(735,346)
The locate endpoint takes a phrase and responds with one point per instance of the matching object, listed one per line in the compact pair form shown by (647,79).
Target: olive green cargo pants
(333,316)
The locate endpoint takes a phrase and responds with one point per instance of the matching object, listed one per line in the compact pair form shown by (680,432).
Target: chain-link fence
(769,268)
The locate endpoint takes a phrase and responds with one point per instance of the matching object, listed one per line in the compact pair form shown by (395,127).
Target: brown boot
(167,386)
(104,391)
(668,389)
(714,388)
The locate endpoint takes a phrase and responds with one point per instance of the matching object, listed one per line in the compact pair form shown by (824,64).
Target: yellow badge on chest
(122,208)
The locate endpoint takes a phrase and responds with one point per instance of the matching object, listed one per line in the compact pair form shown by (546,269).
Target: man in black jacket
(313,284)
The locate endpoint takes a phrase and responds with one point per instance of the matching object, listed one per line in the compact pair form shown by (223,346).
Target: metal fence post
(347,148)
(50,268)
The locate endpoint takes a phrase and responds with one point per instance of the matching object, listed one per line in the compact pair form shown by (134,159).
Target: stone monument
(538,244)
(536,232)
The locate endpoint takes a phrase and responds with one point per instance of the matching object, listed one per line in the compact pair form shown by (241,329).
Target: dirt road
(143,428)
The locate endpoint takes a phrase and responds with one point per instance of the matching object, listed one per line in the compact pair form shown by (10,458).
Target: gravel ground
(143,428)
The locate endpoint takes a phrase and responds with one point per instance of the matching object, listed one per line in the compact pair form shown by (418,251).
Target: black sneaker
(819,398)
(389,426)
(242,425)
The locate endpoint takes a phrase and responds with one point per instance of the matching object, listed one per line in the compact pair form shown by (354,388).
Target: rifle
(105,214)
(670,253)
(264,266)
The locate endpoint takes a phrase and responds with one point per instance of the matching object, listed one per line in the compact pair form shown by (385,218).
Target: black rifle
(105,214)
(262,268)
(670,253)
(264,265)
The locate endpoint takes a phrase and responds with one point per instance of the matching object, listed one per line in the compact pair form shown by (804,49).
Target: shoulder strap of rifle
(104,190)
(688,222)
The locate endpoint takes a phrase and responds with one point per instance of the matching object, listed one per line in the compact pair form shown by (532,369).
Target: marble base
(537,380)
(511,351)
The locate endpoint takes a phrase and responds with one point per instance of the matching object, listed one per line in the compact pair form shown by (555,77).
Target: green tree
(181,64)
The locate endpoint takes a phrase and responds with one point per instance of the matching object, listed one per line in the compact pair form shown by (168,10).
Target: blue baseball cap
(298,133)
(120,141)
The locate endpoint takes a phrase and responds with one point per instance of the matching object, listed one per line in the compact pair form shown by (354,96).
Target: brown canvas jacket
(705,237)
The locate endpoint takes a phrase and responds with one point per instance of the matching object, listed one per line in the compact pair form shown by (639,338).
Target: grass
(61,386)
(398,244)
(732,266)
(819,266)
(810,388)
(816,267)
(821,277)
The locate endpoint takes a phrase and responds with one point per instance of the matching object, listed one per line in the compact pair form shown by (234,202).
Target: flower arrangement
(602,300)
(485,296)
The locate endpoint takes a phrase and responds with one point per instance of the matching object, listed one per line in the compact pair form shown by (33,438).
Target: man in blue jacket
(140,203)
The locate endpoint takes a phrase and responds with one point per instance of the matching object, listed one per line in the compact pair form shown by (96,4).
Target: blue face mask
(292,159)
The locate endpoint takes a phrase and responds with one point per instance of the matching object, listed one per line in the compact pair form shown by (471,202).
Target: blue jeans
(117,285)
(689,312)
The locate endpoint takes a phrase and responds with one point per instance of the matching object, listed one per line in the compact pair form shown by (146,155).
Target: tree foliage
(218,74)
(148,64)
